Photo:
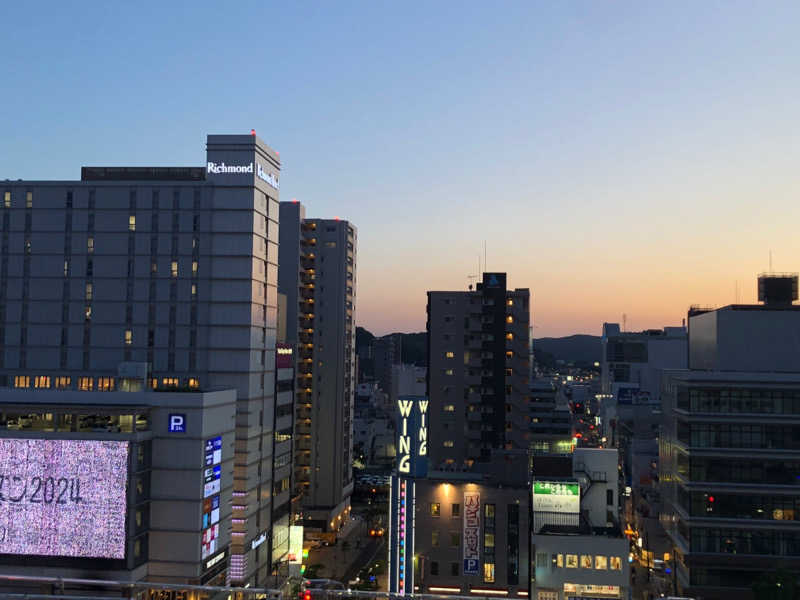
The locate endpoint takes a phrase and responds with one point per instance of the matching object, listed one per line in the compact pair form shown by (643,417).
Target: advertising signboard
(295,544)
(63,497)
(472,530)
(556,496)
(212,481)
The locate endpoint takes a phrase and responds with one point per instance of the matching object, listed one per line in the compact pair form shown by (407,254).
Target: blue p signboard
(177,423)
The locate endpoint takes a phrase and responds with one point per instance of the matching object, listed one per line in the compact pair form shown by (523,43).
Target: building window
(41,381)
(435,539)
(448,443)
(610,497)
(105,384)
(601,562)
(509,319)
(448,371)
(194,267)
(174,268)
(571,561)
(449,354)
(455,539)
(510,302)
(436,509)
(488,540)
(132,223)
(28,199)
(509,336)
(194,289)
(586,561)
(616,563)
(194,383)
(90,245)
(488,572)
(434,567)
(455,510)
(85,384)
(153,267)
(455,571)
(560,561)
(7,199)
(169,382)
(88,291)
(128,337)
(63,382)
(22,381)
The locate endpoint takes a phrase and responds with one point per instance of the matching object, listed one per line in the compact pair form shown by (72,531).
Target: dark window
(434,568)
(455,571)
(610,497)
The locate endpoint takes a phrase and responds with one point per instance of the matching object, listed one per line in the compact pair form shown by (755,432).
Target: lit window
(586,561)
(488,572)
(488,540)
(41,381)
(169,382)
(85,384)
(616,563)
(448,371)
(572,561)
(194,289)
(128,337)
(88,313)
(132,223)
(88,291)
(560,561)
(194,267)
(449,408)
(63,382)
(7,199)
(436,509)
(510,302)
(28,199)
(105,384)
(174,268)
(509,319)
(509,336)
(194,383)
(22,381)
(153,267)
(90,245)
(448,443)
(601,562)
(66,268)
(509,354)
(449,354)
(154,383)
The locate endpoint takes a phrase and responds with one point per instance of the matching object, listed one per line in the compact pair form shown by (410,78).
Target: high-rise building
(173,268)
(386,354)
(729,446)
(478,366)
(323,288)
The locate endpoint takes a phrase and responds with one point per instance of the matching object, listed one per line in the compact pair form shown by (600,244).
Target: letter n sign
(177,423)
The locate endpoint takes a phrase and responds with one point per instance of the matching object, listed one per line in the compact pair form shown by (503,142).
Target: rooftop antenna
(770,261)
(624,321)
(484,254)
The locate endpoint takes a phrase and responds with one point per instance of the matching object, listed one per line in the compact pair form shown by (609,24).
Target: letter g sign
(177,423)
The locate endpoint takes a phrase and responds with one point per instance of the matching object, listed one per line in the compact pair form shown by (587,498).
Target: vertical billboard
(412,436)
(212,478)
(472,532)
(63,497)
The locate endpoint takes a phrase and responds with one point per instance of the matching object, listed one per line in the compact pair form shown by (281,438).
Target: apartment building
(323,288)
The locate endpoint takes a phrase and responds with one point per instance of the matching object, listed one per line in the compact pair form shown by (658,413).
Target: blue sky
(617,157)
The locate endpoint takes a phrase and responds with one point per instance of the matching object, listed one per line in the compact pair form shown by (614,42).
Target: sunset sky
(616,157)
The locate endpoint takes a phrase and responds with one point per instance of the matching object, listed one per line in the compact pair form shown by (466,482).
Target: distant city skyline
(628,158)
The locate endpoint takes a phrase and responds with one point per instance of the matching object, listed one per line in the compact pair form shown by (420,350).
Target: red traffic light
(711,499)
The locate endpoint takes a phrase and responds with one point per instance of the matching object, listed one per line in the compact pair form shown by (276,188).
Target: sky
(614,157)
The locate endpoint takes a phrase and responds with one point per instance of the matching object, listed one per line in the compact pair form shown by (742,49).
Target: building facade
(324,291)
(172,267)
(478,365)
(386,356)
(729,449)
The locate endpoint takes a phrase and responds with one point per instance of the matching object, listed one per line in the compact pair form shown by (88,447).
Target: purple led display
(63,497)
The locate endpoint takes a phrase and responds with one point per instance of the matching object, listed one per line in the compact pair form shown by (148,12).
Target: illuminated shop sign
(412,444)
(268,177)
(215,560)
(472,528)
(258,541)
(222,168)
(212,479)
(556,496)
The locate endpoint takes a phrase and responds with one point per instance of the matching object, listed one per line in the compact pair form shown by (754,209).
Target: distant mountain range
(578,349)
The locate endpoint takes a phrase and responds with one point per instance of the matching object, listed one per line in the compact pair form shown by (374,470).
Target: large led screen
(63,497)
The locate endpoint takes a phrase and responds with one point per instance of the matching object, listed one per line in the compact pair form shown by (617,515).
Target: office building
(577,548)
(550,421)
(175,267)
(730,444)
(478,364)
(323,288)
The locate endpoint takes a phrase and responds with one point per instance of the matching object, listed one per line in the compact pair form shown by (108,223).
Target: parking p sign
(177,423)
